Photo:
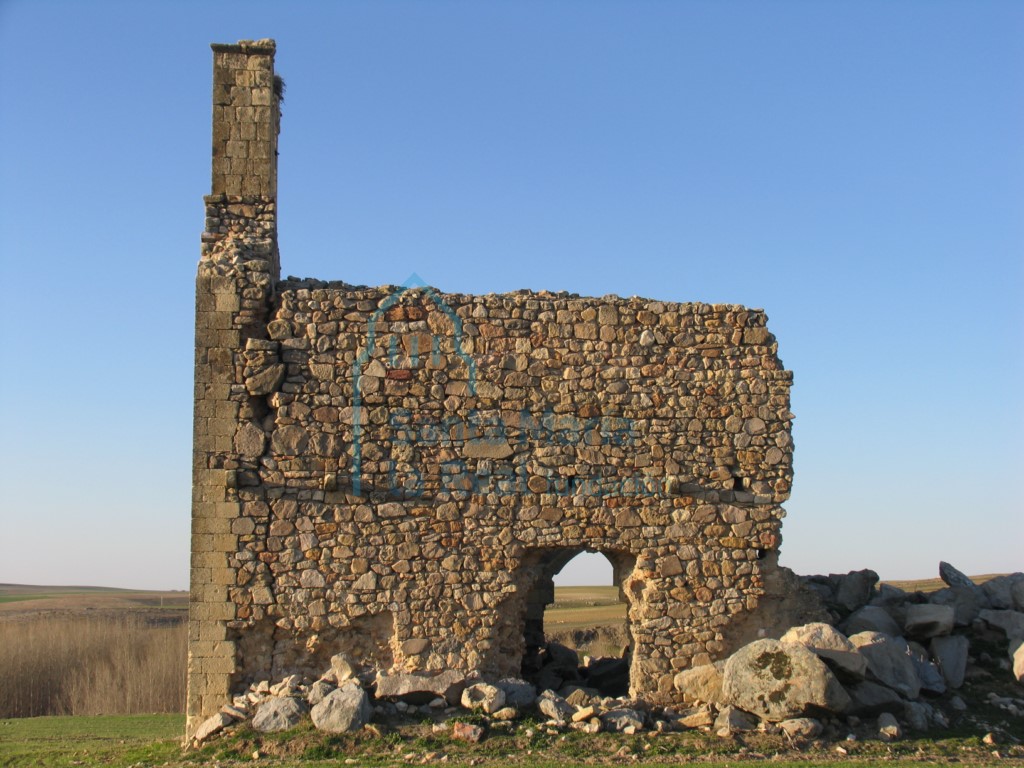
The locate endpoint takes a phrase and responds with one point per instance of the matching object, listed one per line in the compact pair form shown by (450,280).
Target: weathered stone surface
(889,727)
(954,577)
(580,697)
(731,720)
(518,693)
(343,668)
(1018,662)
(924,620)
(802,728)
(916,715)
(831,645)
(1017,592)
(342,710)
(701,717)
(870,618)
(927,672)
(868,698)
(853,590)
(278,714)
(554,707)
(622,720)
(317,692)
(289,441)
(966,603)
(483,696)
(420,688)
(998,592)
(467,732)
(211,725)
(250,440)
(889,661)
(265,381)
(1011,622)
(703,684)
(583,713)
(487,449)
(778,682)
(950,653)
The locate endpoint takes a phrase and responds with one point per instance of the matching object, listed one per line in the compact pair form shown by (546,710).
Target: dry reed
(91,666)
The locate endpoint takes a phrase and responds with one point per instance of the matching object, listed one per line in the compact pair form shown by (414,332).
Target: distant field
(19,601)
(584,608)
(933,585)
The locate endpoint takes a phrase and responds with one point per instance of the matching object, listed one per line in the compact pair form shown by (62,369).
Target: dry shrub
(91,666)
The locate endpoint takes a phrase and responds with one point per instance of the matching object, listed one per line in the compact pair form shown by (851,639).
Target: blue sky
(855,168)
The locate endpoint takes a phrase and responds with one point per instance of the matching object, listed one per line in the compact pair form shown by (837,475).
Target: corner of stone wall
(238,271)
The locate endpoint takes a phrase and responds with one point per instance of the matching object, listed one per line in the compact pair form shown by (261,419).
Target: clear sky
(855,168)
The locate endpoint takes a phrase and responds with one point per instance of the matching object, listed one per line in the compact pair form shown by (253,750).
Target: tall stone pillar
(238,271)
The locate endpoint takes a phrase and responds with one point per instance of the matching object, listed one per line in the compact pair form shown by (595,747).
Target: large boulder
(342,710)
(1011,622)
(518,693)
(854,589)
(954,577)
(925,620)
(889,661)
(278,713)
(778,682)
(966,602)
(1017,591)
(999,592)
(927,672)
(831,645)
(950,653)
(421,687)
(869,698)
(703,683)
(870,618)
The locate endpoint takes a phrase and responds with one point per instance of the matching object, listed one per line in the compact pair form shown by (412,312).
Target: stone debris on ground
(814,682)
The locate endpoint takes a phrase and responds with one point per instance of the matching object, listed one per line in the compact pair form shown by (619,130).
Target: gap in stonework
(576,630)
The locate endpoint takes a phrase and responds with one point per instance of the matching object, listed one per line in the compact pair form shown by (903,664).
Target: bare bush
(91,666)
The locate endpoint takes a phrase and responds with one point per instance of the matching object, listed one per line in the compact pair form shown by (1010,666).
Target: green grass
(154,740)
(75,741)
(20,598)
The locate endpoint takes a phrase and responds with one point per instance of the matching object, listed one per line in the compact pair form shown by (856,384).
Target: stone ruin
(398,473)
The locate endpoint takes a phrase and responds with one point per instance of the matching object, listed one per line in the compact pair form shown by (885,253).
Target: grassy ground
(76,741)
(151,740)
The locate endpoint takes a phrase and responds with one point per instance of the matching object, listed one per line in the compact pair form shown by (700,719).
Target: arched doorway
(584,638)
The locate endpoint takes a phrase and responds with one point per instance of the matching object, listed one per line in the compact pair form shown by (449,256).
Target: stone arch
(520,632)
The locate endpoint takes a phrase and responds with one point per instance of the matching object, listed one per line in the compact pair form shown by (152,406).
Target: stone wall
(398,473)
